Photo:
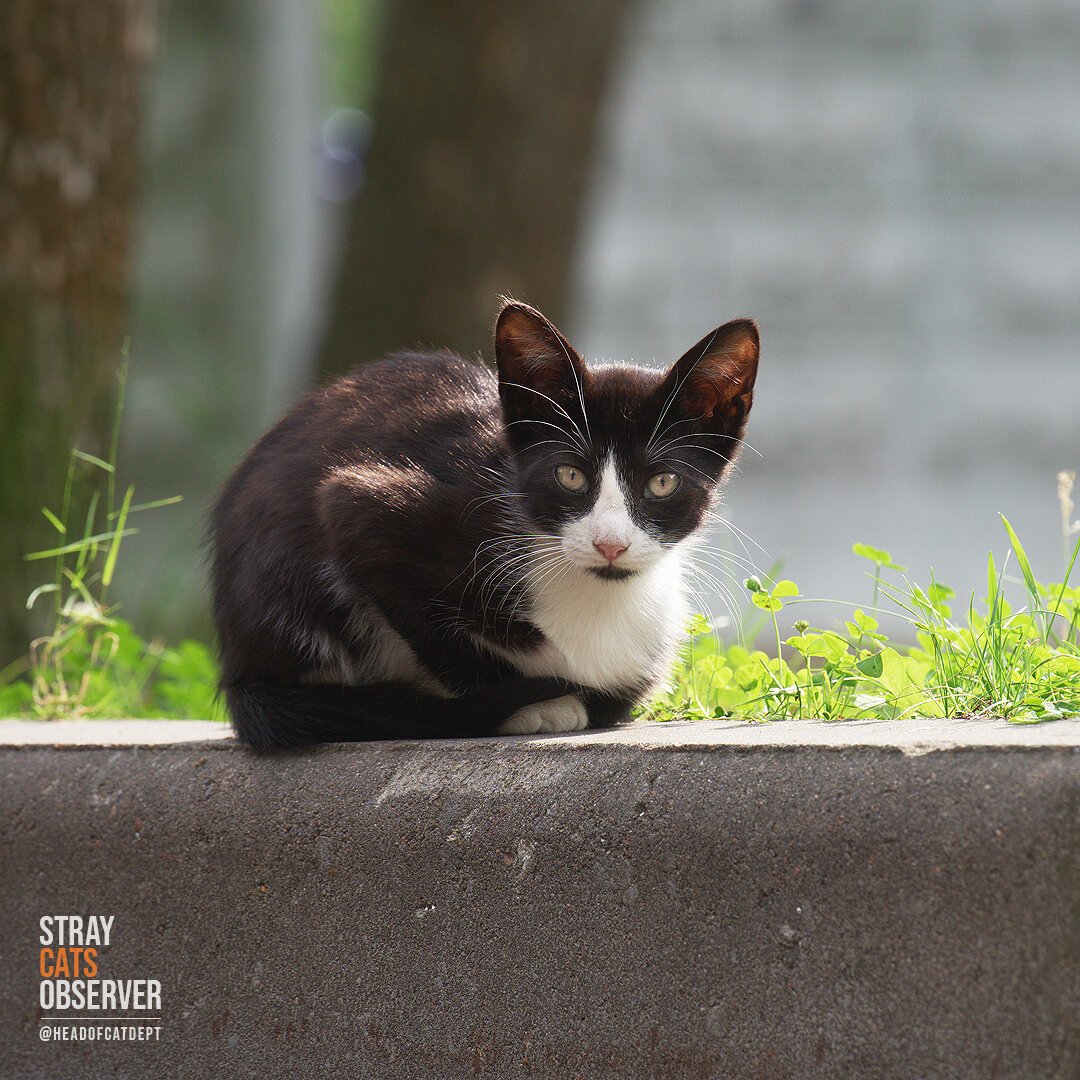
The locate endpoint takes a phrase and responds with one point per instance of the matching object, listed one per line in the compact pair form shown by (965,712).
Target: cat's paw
(559,714)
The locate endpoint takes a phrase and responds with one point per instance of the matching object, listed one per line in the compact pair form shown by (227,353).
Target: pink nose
(610,551)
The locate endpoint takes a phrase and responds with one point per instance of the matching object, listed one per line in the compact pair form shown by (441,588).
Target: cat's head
(621,462)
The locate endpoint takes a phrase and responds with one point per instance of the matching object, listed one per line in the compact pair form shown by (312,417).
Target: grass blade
(114,547)
(88,549)
(47,588)
(149,506)
(1021,558)
(54,521)
(78,545)
(1065,582)
(114,446)
(82,455)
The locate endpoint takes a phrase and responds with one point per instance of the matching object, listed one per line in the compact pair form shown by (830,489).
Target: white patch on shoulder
(559,714)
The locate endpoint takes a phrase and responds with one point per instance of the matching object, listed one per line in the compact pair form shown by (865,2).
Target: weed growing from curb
(1021,664)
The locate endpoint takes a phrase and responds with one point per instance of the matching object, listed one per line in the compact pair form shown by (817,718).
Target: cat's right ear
(539,370)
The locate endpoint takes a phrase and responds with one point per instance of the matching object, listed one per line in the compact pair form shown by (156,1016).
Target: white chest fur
(608,634)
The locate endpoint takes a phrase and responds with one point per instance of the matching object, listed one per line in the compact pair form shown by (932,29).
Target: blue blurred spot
(343,146)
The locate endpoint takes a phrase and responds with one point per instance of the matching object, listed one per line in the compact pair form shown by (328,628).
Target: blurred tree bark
(69,90)
(484,124)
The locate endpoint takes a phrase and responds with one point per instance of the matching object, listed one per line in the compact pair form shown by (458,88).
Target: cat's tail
(268,716)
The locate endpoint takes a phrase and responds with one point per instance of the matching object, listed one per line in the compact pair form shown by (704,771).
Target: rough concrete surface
(686,901)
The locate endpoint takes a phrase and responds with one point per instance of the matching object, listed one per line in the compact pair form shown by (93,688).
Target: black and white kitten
(423,549)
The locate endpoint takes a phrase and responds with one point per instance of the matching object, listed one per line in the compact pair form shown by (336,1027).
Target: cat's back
(410,405)
(413,391)
(424,408)
(431,416)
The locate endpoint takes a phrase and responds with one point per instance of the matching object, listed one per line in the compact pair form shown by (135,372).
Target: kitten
(422,549)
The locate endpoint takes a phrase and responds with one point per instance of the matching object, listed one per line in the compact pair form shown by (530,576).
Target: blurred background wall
(893,190)
(231,258)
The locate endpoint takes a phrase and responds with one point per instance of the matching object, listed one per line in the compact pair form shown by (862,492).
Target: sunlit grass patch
(982,658)
(92,663)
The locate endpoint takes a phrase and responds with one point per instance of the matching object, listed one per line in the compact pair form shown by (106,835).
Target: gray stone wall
(894,191)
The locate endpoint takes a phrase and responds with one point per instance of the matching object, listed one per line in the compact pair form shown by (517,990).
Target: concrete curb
(714,900)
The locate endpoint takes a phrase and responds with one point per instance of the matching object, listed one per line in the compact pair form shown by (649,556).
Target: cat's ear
(538,367)
(713,383)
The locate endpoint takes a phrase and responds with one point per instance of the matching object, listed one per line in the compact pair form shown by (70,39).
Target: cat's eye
(571,478)
(661,485)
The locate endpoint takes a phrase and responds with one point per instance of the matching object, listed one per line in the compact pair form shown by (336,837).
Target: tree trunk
(484,124)
(69,81)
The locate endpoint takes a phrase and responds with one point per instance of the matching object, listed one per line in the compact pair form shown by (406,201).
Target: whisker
(711,571)
(483,500)
(532,390)
(736,531)
(501,570)
(745,565)
(574,372)
(510,539)
(665,451)
(712,435)
(686,465)
(722,593)
(528,583)
(679,384)
(547,423)
(556,564)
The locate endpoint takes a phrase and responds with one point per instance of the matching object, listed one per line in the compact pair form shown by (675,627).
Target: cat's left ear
(713,383)
(538,367)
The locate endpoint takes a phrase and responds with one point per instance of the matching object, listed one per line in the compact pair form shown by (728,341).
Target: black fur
(339,713)
(397,496)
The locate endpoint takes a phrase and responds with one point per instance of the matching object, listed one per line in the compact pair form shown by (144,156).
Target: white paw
(559,714)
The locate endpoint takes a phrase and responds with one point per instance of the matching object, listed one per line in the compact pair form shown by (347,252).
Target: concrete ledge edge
(911,737)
